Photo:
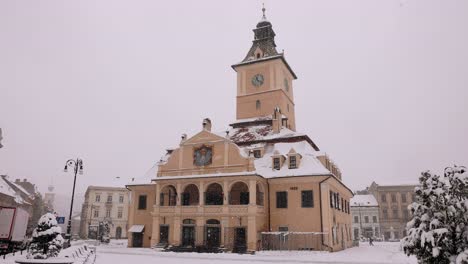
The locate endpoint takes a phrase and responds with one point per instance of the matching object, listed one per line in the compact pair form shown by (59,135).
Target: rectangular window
(405,214)
(374,219)
(142,202)
(292,162)
(356,233)
(366,219)
(307,199)
(96,212)
(403,197)
(383,197)
(331,199)
(283,228)
(413,197)
(98,197)
(342,205)
(257,153)
(393,198)
(385,213)
(281,200)
(395,213)
(356,219)
(121,199)
(276,163)
(120,212)
(108,213)
(109,198)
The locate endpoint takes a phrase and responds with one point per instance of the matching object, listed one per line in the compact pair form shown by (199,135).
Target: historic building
(104,205)
(259,179)
(365,216)
(393,202)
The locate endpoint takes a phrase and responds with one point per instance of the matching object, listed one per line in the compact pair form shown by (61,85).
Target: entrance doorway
(240,241)
(137,240)
(163,234)
(188,235)
(118,232)
(213,236)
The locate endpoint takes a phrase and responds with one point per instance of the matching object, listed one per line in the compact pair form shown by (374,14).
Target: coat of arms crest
(202,156)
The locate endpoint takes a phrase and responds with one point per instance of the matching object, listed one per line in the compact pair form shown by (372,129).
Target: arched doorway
(214,194)
(239,194)
(168,196)
(190,196)
(212,233)
(118,232)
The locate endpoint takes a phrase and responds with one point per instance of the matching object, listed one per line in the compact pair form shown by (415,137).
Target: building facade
(259,179)
(104,204)
(393,202)
(365,217)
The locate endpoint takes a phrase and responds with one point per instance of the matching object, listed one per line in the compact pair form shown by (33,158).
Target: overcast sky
(382,85)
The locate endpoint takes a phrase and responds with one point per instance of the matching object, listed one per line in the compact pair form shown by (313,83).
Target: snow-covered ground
(383,252)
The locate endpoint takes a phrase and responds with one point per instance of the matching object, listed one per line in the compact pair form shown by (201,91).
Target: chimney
(276,120)
(183,138)
(207,124)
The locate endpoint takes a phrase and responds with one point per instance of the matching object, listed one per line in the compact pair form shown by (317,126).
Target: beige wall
(226,157)
(271,93)
(141,217)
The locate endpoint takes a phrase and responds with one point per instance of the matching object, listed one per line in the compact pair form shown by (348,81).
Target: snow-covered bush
(47,241)
(438,232)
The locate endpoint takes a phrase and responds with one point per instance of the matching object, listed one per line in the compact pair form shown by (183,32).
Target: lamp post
(77,167)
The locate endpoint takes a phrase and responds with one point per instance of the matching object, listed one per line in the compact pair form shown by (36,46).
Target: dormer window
(257,153)
(258,55)
(276,163)
(293,162)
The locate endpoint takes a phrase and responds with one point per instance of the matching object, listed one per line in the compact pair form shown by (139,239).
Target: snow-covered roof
(21,189)
(363,200)
(7,190)
(260,132)
(207,175)
(308,165)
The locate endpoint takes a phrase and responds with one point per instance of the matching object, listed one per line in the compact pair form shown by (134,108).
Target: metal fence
(292,241)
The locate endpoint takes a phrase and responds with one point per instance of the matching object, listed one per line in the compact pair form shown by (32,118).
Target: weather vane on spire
(263,10)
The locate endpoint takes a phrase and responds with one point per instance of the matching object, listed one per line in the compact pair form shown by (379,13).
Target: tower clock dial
(257,80)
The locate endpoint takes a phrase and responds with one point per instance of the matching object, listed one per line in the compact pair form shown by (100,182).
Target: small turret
(276,120)
(207,124)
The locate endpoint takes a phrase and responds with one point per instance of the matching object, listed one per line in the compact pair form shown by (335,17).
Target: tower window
(258,104)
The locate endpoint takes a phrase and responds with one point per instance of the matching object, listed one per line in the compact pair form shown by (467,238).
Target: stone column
(199,231)
(155,233)
(176,235)
(251,233)
(158,195)
(253,192)
(201,192)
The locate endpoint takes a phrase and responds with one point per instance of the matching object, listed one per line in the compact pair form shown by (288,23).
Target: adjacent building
(393,203)
(259,179)
(104,204)
(365,216)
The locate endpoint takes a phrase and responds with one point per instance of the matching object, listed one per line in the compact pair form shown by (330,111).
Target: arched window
(258,55)
(214,194)
(258,104)
(168,196)
(212,222)
(239,194)
(190,196)
(188,222)
(118,232)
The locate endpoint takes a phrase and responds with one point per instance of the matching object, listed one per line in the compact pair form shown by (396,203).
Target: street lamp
(77,167)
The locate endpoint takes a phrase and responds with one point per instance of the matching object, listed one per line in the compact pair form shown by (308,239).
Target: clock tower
(264,79)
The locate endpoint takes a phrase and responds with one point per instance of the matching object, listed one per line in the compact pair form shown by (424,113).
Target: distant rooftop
(363,200)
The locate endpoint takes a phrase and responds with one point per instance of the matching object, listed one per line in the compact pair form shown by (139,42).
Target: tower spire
(263,11)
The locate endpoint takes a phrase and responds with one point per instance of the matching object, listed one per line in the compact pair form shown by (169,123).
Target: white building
(105,204)
(365,216)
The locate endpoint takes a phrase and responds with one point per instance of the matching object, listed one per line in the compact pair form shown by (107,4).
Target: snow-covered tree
(438,232)
(47,240)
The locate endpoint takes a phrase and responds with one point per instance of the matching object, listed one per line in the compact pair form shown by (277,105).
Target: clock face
(286,84)
(257,80)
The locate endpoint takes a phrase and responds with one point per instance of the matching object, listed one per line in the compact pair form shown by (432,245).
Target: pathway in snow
(382,253)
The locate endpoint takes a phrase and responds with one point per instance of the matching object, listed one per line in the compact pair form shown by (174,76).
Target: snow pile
(47,241)
(438,232)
